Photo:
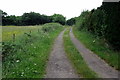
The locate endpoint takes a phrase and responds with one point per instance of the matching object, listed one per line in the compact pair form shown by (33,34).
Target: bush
(103,22)
(70,22)
(50,27)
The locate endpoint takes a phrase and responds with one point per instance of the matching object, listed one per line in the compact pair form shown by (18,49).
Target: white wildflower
(35,64)
(35,71)
(22,72)
(93,41)
(17,61)
(21,75)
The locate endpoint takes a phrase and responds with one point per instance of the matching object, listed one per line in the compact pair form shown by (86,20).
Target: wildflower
(21,75)
(17,61)
(22,72)
(35,64)
(35,71)
(93,41)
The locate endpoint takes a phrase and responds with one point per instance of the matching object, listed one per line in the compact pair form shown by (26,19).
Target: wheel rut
(94,62)
(58,65)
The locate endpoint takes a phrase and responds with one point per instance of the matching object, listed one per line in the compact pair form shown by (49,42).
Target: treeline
(104,22)
(31,18)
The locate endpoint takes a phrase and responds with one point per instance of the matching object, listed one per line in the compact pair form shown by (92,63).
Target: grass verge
(98,47)
(27,57)
(76,59)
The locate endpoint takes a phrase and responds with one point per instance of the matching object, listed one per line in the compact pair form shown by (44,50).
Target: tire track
(58,65)
(93,61)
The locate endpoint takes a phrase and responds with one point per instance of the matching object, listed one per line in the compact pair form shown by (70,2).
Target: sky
(68,8)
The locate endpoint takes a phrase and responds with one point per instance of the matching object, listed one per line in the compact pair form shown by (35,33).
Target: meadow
(8,31)
(28,55)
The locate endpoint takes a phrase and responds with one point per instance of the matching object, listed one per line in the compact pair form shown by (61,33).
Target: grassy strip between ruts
(29,58)
(98,47)
(76,59)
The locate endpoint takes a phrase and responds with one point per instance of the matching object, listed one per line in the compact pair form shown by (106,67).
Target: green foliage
(3,13)
(27,56)
(103,22)
(70,22)
(8,48)
(81,20)
(113,23)
(10,20)
(50,27)
(58,18)
(98,47)
(96,22)
(31,18)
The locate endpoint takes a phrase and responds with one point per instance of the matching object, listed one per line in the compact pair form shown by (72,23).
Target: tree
(9,20)
(31,18)
(2,16)
(59,19)
(113,23)
(70,22)
(103,22)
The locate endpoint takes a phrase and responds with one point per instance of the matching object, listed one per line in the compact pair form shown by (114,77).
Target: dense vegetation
(9,31)
(70,22)
(98,46)
(31,18)
(103,22)
(28,55)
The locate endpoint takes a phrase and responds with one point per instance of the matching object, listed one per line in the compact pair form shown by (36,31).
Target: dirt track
(59,66)
(93,61)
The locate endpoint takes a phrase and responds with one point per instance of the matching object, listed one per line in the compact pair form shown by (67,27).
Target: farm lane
(93,61)
(58,65)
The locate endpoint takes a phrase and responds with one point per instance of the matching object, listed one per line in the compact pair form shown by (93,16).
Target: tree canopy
(31,18)
(70,22)
(59,18)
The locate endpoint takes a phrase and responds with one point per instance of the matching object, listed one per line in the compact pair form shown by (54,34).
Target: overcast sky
(68,8)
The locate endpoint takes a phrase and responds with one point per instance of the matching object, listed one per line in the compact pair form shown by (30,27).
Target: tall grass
(29,54)
(98,47)
(8,31)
